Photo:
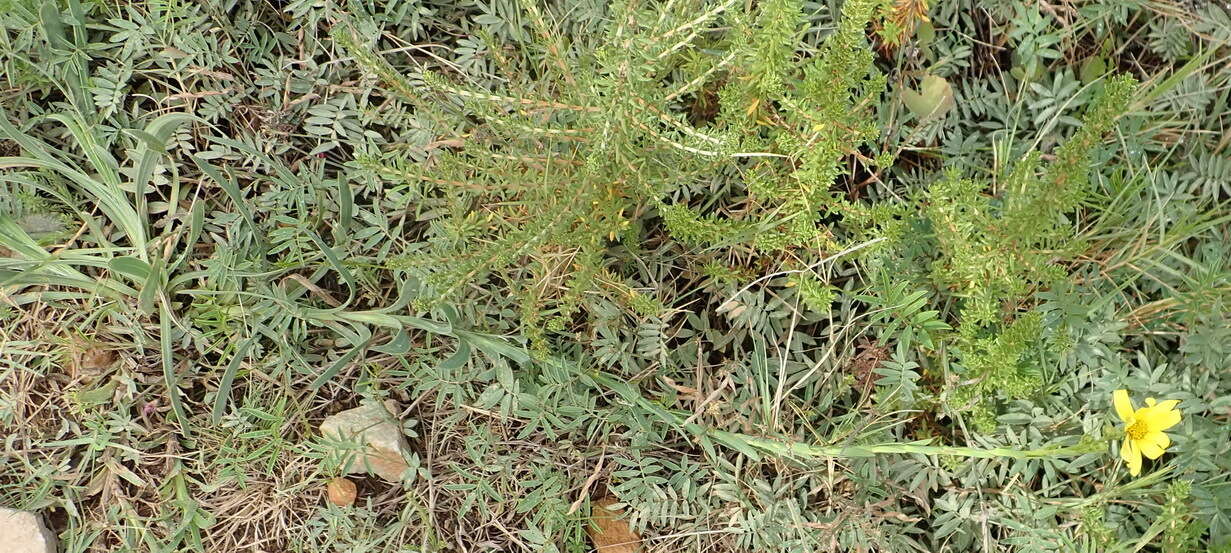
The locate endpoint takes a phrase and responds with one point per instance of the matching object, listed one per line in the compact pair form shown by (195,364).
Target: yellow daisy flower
(1143,428)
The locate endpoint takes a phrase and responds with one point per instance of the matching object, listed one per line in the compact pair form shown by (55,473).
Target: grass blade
(168,369)
(228,378)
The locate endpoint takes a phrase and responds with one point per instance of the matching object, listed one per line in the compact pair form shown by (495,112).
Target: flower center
(1137,430)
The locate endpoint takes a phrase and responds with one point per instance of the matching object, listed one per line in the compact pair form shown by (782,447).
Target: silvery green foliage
(1140,303)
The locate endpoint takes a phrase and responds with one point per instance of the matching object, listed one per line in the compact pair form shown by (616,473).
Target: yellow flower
(1143,428)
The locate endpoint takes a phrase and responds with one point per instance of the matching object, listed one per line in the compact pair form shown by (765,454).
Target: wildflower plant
(1144,428)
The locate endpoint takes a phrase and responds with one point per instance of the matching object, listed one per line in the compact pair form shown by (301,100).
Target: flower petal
(1131,456)
(1159,419)
(1153,444)
(1149,448)
(1167,405)
(1124,406)
(1150,402)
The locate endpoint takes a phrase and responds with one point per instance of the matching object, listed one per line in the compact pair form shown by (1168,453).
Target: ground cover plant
(861,275)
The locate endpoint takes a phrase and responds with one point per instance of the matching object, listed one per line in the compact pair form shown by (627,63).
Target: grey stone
(380,435)
(24,532)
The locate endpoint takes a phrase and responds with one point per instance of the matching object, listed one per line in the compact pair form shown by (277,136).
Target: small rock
(24,532)
(342,492)
(375,428)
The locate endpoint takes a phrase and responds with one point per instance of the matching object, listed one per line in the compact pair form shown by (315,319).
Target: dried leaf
(97,359)
(934,99)
(609,533)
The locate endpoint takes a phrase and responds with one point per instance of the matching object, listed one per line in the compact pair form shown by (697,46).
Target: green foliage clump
(557,165)
(544,167)
(815,294)
(796,117)
(997,366)
(994,250)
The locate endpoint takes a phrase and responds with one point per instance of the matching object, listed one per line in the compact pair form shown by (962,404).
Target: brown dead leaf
(680,388)
(88,359)
(95,359)
(609,533)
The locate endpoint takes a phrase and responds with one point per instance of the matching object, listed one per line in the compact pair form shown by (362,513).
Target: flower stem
(800,449)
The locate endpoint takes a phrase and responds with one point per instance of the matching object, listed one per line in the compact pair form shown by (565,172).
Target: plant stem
(799,449)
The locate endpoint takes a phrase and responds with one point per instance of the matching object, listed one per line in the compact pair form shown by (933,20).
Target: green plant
(778,276)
